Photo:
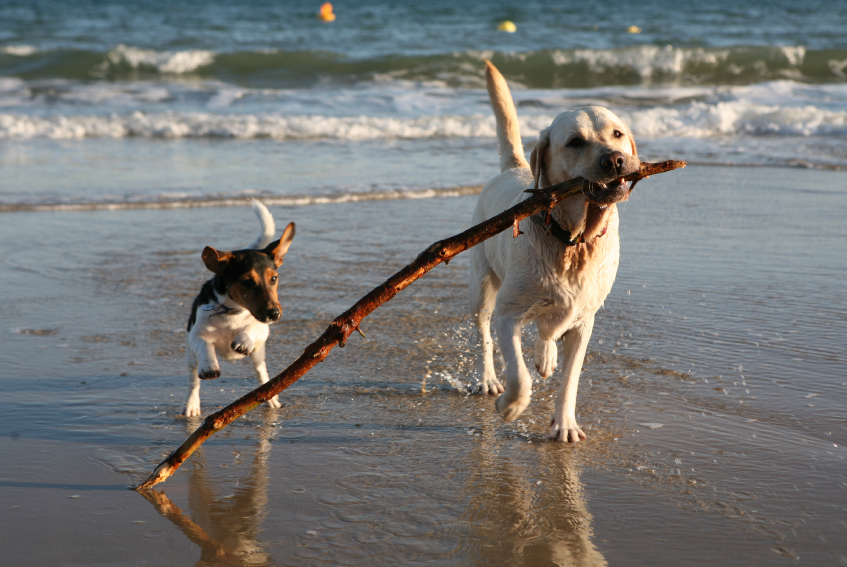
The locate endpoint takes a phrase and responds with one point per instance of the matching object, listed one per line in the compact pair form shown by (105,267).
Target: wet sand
(713,393)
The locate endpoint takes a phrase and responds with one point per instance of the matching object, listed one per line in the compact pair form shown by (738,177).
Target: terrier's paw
(242,345)
(273,403)
(191,409)
(567,432)
(209,373)
(489,387)
(511,404)
(546,356)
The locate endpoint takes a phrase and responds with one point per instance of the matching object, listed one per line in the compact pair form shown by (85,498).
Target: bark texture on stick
(343,326)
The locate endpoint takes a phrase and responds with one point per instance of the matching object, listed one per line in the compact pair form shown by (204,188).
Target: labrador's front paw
(489,386)
(565,431)
(512,403)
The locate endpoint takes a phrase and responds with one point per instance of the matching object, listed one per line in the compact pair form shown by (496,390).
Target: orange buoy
(326,12)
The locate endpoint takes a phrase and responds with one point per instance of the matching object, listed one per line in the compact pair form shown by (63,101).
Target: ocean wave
(733,118)
(19,50)
(547,68)
(166,62)
(235,200)
(697,119)
(241,126)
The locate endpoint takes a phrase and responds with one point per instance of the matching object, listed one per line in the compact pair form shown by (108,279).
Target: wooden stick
(342,327)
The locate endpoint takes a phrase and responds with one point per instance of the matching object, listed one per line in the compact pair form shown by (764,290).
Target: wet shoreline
(705,414)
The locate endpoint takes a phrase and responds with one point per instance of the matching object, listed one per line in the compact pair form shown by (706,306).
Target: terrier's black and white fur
(231,316)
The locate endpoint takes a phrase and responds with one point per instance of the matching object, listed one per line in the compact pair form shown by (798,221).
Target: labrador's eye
(618,134)
(576,143)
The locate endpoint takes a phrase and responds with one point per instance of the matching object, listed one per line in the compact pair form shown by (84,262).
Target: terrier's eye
(618,134)
(248,283)
(274,278)
(576,143)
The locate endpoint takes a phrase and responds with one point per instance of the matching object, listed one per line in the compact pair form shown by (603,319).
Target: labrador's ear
(216,261)
(632,143)
(277,250)
(536,158)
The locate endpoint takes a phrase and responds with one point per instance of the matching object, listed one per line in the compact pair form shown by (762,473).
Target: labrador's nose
(612,161)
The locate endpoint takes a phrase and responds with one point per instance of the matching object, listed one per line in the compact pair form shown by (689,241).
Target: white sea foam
(650,61)
(646,60)
(700,120)
(170,201)
(19,50)
(13,84)
(696,119)
(171,62)
(243,126)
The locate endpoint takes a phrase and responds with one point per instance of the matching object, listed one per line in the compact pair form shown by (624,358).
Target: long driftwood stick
(343,326)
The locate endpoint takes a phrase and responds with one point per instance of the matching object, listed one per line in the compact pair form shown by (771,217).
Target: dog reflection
(225,527)
(520,522)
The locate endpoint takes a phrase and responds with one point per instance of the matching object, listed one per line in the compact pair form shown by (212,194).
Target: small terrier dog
(231,316)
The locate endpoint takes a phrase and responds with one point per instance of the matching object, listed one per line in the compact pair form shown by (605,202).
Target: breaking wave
(696,119)
(547,68)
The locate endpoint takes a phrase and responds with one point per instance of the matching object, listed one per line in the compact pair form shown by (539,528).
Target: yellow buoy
(633,29)
(507,26)
(326,12)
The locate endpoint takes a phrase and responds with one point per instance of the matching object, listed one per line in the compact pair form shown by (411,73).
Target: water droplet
(107,511)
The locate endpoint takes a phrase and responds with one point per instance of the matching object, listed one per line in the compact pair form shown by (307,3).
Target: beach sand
(712,393)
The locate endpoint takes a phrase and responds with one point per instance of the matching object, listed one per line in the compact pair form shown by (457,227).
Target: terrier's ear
(632,143)
(536,158)
(216,261)
(276,250)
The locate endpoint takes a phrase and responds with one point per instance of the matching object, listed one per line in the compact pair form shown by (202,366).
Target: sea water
(267,100)
(713,391)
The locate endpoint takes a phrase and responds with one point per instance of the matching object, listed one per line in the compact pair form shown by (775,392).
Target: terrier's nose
(614,160)
(273,314)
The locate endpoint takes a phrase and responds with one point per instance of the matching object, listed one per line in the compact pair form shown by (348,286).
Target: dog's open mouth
(605,194)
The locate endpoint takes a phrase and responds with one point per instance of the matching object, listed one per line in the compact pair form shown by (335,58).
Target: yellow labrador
(561,269)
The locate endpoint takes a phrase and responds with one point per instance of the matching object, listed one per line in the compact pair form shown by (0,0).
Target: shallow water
(712,393)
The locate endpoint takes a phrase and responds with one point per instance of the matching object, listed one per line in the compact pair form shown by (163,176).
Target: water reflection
(504,502)
(225,527)
(519,519)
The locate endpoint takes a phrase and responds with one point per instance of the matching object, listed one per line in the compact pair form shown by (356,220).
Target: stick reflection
(226,527)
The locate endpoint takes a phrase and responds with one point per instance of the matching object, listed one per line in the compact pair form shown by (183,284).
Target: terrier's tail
(268,227)
(508,131)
